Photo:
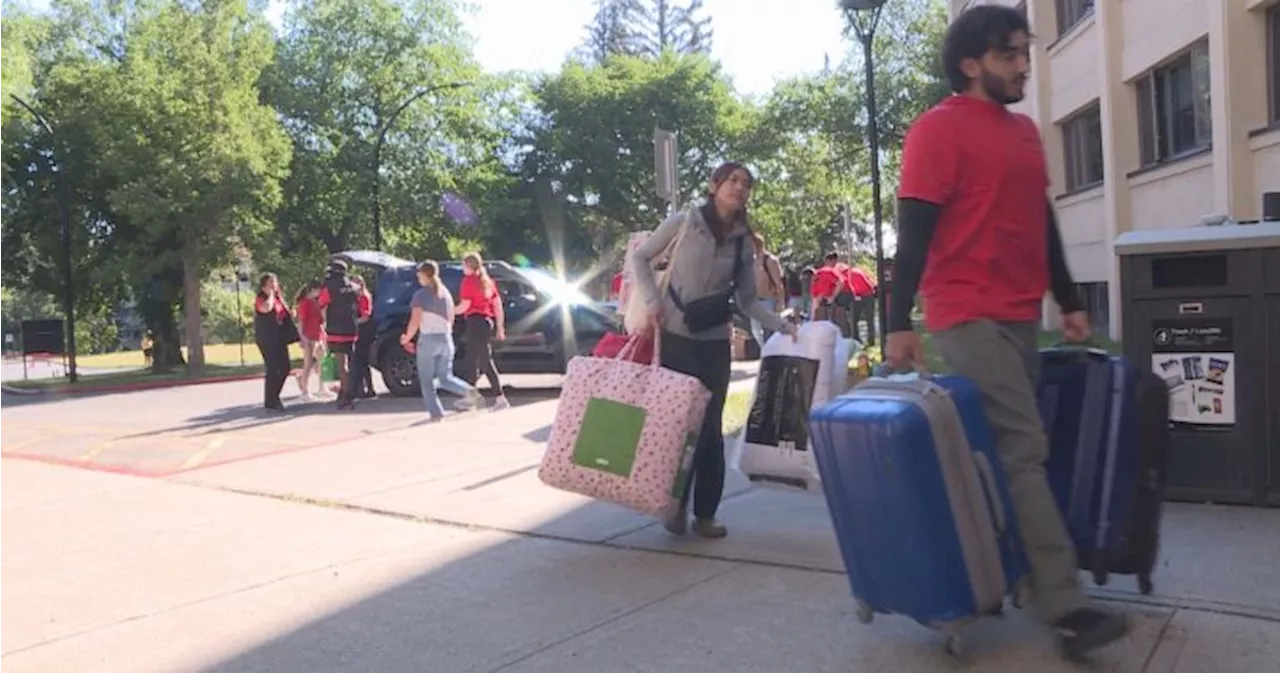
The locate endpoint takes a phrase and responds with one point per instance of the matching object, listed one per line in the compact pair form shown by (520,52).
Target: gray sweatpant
(1003,360)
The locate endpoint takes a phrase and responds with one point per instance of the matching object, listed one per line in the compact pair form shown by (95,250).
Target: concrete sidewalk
(435,549)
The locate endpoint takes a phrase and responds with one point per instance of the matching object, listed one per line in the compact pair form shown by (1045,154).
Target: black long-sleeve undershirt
(917,222)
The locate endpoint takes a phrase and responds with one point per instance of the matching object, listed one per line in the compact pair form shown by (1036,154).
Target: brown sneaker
(708,528)
(677,523)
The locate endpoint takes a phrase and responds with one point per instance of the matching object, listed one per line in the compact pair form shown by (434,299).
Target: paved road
(172,430)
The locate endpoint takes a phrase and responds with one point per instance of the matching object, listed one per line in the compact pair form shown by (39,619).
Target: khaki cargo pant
(1003,360)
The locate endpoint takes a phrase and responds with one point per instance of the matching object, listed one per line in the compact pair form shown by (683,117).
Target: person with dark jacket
(711,259)
(978,237)
(362,354)
(270,313)
(339,299)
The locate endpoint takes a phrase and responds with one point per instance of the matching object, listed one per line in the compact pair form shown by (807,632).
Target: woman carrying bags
(274,330)
(711,262)
(432,322)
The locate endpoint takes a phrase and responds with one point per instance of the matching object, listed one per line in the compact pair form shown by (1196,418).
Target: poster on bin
(780,411)
(1196,358)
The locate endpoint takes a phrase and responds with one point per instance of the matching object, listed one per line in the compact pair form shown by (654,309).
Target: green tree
(343,70)
(647,28)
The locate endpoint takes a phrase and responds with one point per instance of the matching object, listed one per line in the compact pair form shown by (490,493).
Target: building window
(1082,148)
(1071,12)
(1273,60)
(1097,303)
(1174,113)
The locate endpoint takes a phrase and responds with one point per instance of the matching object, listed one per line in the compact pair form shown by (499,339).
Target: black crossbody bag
(715,310)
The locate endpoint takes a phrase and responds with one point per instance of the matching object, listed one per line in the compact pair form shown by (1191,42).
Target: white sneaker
(308,397)
(500,403)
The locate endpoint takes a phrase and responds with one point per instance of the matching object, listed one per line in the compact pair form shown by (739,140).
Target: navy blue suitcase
(1107,423)
(919,502)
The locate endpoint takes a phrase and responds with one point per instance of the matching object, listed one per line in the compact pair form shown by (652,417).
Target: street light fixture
(377,154)
(64,197)
(864,18)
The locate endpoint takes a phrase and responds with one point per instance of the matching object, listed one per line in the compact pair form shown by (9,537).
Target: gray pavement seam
(1098,593)
(616,618)
(1155,645)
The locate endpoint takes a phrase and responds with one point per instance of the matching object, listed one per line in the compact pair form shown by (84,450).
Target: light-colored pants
(757,330)
(1003,360)
(435,371)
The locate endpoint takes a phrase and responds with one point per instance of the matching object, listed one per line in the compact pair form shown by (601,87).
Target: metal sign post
(664,158)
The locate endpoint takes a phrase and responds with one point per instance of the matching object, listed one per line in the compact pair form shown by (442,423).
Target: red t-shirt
(825,282)
(364,304)
(860,281)
(482,299)
(310,322)
(985,167)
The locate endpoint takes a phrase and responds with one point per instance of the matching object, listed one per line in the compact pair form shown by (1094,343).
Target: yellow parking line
(200,456)
(97,449)
(22,444)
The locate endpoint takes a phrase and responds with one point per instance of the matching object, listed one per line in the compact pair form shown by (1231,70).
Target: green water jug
(329,368)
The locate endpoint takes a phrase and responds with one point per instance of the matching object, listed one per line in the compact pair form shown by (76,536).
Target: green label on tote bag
(686,464)
(609,436)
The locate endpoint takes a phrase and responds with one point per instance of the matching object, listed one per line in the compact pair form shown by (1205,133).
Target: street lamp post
(864,17)
(377,154)
(64,196)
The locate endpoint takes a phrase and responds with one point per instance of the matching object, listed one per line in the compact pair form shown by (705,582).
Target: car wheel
(399,372)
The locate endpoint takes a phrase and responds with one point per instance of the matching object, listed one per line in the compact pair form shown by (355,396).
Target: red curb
(85,465)
(134,386)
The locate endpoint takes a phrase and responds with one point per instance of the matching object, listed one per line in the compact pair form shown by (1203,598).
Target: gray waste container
(1201,307)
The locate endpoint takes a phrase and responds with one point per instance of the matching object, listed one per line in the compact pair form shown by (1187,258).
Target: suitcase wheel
(1144,585)
(865,615)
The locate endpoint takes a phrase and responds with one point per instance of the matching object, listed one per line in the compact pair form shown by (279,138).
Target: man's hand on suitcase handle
(903,349)
(1075,327)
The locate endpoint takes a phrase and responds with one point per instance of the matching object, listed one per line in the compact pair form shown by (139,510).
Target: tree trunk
(157,300)
(194,321)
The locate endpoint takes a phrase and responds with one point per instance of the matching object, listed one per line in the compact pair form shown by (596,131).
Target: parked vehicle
(548,321)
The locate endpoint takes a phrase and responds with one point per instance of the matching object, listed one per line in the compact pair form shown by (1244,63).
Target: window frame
(1076,159)
(1272,18)
(1070,13)
(1155,92)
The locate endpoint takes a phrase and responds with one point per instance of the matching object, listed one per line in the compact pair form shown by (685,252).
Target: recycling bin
(1201,307)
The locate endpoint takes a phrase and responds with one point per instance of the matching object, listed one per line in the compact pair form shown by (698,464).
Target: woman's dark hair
(976,32)
(262,282)
(722,173)
(431,271)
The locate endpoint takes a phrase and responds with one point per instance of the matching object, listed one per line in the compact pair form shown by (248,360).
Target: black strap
(733,280)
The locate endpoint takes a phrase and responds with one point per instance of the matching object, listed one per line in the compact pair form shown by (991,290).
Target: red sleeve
(259,303)
(930,159)
(364,305)
(323,299)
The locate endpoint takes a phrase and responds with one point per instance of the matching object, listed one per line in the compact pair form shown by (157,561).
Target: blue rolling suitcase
(919,503)
(1107,423)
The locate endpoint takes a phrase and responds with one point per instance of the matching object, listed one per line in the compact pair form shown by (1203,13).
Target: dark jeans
(275,357)
(709,362)
(361,376)
(864,309)
(478,353)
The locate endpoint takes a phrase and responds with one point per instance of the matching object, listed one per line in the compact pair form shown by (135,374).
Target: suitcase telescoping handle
(988,478)
(1065,352)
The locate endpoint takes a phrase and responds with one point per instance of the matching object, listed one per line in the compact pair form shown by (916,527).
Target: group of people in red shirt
(336,316)
(845,295)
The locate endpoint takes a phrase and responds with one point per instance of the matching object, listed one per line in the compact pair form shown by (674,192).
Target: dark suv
(538,308)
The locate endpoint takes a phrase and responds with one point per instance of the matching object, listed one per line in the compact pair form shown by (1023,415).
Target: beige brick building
(1154,113)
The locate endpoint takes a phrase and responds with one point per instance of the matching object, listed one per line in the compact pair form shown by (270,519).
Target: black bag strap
(733,280)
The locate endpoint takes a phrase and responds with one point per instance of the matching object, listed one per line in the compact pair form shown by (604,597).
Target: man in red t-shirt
(978,237)
(828,283)
(862,288)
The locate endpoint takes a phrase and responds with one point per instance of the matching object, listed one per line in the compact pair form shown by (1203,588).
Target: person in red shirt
(861,287)
(480,305)
(828,283)
(362,351)
(978,237)
(270,313)
(339,299)
(310,338)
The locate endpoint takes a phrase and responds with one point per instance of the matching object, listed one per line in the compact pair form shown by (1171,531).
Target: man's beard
(997,90)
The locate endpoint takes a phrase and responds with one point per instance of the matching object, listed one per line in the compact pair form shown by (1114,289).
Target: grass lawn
(139,375)
(221,354)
